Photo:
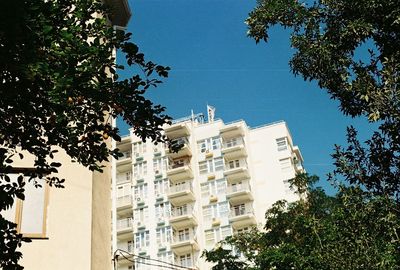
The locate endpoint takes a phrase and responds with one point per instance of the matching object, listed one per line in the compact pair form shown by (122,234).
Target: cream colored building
(70,228)
(171,206)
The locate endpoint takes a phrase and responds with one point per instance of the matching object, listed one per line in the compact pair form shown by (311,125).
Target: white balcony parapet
(180,164)
(181,187)
(124,178)
(244,186)
(184,237)
(182,211)
(125,154)
(233,142)
(124,200)
(125,223)
(240,211)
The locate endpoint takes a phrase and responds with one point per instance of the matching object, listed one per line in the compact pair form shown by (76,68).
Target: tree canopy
(351,230)
(59,88)
(350,48)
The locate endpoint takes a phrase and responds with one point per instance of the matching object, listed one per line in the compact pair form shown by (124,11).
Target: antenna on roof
(210,113)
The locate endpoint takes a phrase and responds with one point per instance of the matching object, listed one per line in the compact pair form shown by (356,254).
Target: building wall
(69,223)
(252,179)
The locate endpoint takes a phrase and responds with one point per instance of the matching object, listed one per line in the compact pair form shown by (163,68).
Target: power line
(121,251)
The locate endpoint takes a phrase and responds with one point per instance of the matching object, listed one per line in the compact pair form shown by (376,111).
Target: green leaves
(59,88)
(350,230)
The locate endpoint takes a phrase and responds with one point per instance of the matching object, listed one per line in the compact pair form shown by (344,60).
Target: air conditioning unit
(137,154)
(138,199)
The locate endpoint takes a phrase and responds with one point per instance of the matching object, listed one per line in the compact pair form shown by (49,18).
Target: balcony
(179,170)
(235,129)
(241,216)
(234,148)
(127,258)
(181,193)
(182,216)
(124,178)
(185,151)
(124,163)
(124,202)
(184,243)
(298,160)
(124,227)
(177,130)
(239,192)
(236,170)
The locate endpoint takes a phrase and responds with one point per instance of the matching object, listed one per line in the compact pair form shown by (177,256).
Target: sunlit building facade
(169,207)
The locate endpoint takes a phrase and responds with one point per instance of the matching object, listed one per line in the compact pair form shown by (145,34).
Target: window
(214,187)
(165,257)
(161,186)
(139,149)
(282,144)
(185,260)
(140,169)
(233,142)
(140,192)
(159,165)
(142,239)
(181,210)
(162,210)
(232,164)
(130,246)
(141,263)
(286,165)
(183,235)
(141,215)
(226,231)
(30,215)
(215,235)
(239,209)
(163,235)
(210,238)
(211,165)
(215,210)
(208,144)
(243,230)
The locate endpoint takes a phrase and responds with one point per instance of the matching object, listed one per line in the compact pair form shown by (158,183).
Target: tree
(59,88)
(352,230)
(350,49)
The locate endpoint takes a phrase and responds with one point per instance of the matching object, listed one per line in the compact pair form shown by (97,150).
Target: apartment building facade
(169,207)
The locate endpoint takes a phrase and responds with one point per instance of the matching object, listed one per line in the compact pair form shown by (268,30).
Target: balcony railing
(184,237)
(234,165)
(124,200)
(126,154)
(240,211)
(126,246)
(124,223)
(233,142)
(182,211)
(244,186)
(180,164)
(124,178)
(181,187)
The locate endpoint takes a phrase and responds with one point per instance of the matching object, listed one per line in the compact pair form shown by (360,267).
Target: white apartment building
(169,207)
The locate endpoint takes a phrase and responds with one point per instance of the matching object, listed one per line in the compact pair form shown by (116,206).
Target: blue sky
(213,61)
